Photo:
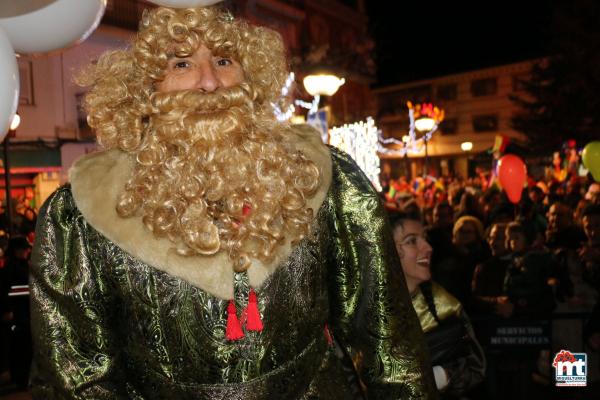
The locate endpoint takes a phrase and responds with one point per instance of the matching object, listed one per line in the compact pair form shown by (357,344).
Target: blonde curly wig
(214,171)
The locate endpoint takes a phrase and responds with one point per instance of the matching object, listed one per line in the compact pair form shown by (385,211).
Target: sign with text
(519,333)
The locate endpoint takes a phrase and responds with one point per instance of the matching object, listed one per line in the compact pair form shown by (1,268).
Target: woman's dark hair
(427,290)
(397,218)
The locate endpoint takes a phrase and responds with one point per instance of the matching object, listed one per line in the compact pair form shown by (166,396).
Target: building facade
(477,109)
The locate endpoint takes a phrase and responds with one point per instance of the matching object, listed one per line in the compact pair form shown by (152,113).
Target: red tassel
(253,322)
(328,335)
(234,329)
(246,209)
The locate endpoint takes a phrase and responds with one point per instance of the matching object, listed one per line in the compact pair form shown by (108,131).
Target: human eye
(224,62)
(411,241)
(180,64)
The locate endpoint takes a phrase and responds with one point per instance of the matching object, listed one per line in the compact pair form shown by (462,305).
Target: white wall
(54,112)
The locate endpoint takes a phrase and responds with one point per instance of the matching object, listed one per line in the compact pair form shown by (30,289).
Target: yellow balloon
(591,159)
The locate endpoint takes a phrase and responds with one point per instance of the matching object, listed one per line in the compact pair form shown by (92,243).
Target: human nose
(425,247)
(207,79)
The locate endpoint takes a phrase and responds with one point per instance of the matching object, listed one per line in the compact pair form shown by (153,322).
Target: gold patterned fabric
(107,326)
(446,306)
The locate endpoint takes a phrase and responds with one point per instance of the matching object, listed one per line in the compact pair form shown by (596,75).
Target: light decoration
(361,141)
(312,107)
(424,118)
(285,91)
(286,115)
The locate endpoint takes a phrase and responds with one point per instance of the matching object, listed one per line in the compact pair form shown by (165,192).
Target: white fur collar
(97,179)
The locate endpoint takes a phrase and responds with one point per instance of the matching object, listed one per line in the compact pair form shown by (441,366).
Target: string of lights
(360,141)
(412,143)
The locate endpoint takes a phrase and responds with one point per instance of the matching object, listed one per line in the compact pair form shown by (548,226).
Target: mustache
(195,101)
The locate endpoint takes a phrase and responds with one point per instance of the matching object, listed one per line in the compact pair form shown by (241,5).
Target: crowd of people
(534,264)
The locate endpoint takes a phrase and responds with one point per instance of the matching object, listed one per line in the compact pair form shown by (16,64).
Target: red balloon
(512,174)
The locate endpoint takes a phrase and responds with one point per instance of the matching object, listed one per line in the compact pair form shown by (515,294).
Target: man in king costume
(210,251)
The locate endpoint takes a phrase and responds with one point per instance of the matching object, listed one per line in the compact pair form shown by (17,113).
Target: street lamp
(322,84)
(14,124)
(425,125)
(466,146)
(406,140)
(425,119)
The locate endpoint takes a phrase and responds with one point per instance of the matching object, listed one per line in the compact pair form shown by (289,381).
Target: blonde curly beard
(215,174)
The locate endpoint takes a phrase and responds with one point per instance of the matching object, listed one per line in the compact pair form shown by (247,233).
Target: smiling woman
(414,252)
(457,358)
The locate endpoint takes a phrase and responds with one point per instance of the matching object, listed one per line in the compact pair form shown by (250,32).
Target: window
(447,92)
(449,126)
(484,87)
(517,82)
(485,123)
(415,94)
(394,103)
(391,104)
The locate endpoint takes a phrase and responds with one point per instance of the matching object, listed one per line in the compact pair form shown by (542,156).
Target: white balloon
(51,25)
(9,84)
(185,3)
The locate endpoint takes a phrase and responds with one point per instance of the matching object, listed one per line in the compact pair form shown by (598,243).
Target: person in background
(489,201)
(489,276)
(591,335)
(457,358)
(26,223)
(529,275)
(593,193)
(582,268)
(455,269)
(573,193)
(589,253)
(561,231)
(469,205)
(439,235)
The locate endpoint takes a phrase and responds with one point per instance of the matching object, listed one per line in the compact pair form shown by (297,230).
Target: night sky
(424,40)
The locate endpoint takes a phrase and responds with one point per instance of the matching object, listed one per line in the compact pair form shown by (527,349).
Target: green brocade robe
(107,325)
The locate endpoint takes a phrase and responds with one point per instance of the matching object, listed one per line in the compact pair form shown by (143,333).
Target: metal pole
(7,186)
(426,170)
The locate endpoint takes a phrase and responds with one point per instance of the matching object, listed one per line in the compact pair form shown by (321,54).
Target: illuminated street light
(425,124)
(426,121)
(322,84)
(466,146)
